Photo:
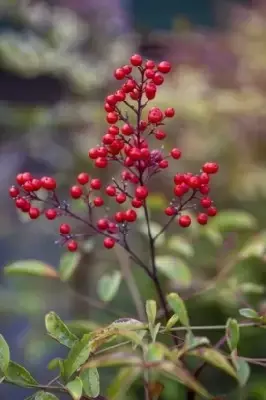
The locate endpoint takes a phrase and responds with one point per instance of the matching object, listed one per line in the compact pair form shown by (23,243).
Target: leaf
(75,388)
(54,363)
(122,382)
(45,396)
(175,269)
(179,308)
(114,359)
(251,288)
(233,220)
(155,229)
(58,330)
(151,310)
(213,235)
(181,246)
(79,327)
(4,354)
(215,358)
(77,356)
(232,333)
(154,352)
(91,381)
(249,313)
(68,263)
(154,331)
(243,371)
(31,267)
(255,247)
(156,201)
(192,342)
(108,286)
(19,375)
(172,321)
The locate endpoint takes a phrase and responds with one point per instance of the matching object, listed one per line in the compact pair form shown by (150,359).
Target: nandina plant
(130,140)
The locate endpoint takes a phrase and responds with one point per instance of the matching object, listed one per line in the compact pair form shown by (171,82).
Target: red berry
(150,64)
(112,118)
(103,224)
(178,178)
(25,207)
(26,176)
(83,178)
(158,79)
(119,74)
(194,182)
(210,167)
(202,219)
(169,211)
(36,184)
(179,190)
(113,130)
(72,245)
(98,202)
(96,184)
(205,202)
(120,216)
(150,91)
(13,191)
(20,203)
(110,190)
(34,212)
(64,229)
(93,153)
(109,107)
(204,178)
(50,214)
(204,189)
(48,183)
(102,151)
(169,112)
(135,94)
(28,186)
(155,115)
(136,60)
(127,69)
(76,192)
(176,153)
(111,99)
(184,221)
(163,164)
(108,243)
(136,203)
(160,135)
(212,211)
(121,198)
(141,192)
(127,129)
(101,162)
(130,215)
(20,179)
(120,95)
(108,138)
(149,73)
(130,85)
(164,67)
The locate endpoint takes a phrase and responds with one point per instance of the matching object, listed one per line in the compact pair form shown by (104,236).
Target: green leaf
(154,352)
(75,388)
(68,263)
(54,363)
(243,371)
(192,342)
(79,327)
(212,235)
(233,220)
(151,310)
(155,330)
(156,201)
(249,313)
(251,288)
(172,321)
(179,308)
(19,375)
(181,246)
(155,229)
(58,330)
(31,267)
(232,333)
(175,269)
(255,247)
(108,286)
(91,381)
(122,382)
(45,396)
(4,354)
(114,359)
(77,356)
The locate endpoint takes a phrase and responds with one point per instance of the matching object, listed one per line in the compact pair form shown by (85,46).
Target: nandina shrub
(129,141)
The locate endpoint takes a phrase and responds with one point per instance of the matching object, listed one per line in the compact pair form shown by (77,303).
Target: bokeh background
(57,58)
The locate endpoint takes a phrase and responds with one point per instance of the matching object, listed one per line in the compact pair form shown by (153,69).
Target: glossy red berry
(110,190)
(136,203)
(48,183)
(202,218)
(150,64)
(93,153)
(164,67)
(121,198)
(127,69)
(176,153)
(96,184)
(50,213)
(102,224)
(64,229)
(26,176)
(212,211)
(72,245)
(169,112)
(98,202)
(130,215)
(179,190)
(36,184)
(127,129)
(155,115)
(210,167)
(178,178)
(163,164)
(108,243)
(204,189)
(28,186)
(13,191)
(34,212)
(169,211)
(194,182)
(119,74)
(112,118)
(101,162)
(141,192)
(205,179)
(113,130)
(20,203)
(83,178)
(136,60)
(205,202)
(158,79)
(184,221)
(20,179)
(76,192)
(160,135)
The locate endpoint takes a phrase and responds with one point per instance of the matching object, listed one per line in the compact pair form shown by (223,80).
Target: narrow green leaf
(249,313)
(75,388)
(192,342)
(243,371)
(232,333)
(58,330)
(175,269)
(179,308)
(181,246)
(108,286)
(19,375)
(45,396)
(172,321)
(151,310)
(68,263)
(77,356)
(122,382)
(91,381)
(155,330)
(31,267)
(4,354)
(229,220)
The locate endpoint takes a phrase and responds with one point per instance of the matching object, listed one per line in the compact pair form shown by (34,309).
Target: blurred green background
(57,59)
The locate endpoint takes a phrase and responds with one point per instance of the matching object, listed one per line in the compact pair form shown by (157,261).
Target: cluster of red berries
(125,143)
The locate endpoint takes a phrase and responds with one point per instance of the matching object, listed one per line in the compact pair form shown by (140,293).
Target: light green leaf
(75,388)
(181,246)
(172,321)
(91,381)
(54,363)
(179,308)
(45,396)
(58,330)
(254,247)
(31,267)
(151,310)
(213,235)
(4,354)
(114,359)
(77,356)
(249,313)
(175,269)
(243,371)
(235,220)
(68,263)
(108,286)
(19,375)
(155,330)
(155,228)
(156,201)
(251,288)
(154,352)
(192,342)
(79,327)
(122,382)
(232,333)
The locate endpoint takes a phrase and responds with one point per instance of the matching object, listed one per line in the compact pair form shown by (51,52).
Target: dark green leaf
(58,330)
(31,267)
(232,333)
(77,356)
(75,388)
(91,381)
(4,354)
(249,313)
(68,263)
(175,269)
(108,286)
(19,375)
(179,308)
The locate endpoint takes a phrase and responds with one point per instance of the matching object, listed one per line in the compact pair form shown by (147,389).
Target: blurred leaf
(179,308)
(254,247)
(156,201)
(19,375)
(114,359)
(192,342)
(31,267)
(233,220)
(249,313)
(77,356)
(79,327)
(232,333)
(122,382)
(91,381)
(54,363)
(172,321)
(243,371)
(154,331)
(45,396)
(58,330)
(155,228)
(251,288)
(108,286)
(4,354)
(129,323)
(175,269)
(75,388)
(213,235)
(151,310)
(181,246)
(68,263)
(154,352)
(155,389)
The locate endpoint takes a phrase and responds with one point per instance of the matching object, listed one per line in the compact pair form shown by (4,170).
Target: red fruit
(163,164)
(142,125)
(36,184)
(110,190)
(26,206)
(206,202)
(103,224)
(202,219)
(101,162)
(210,167)
(164,67)
(136,60)
(26,176)
(113,130)
(76,192)
(119,74)
(176,153)
(102,151)
(108,138)
(72,245)
(20,179)
(204,178)
(83,178)
(127,69)
(64,229)
(98,202)
(121,198)
(28,186)
(212,211)
(184,221)
(136,203)
(158,79)
(149,73)
(204,189)
(160,135)
(127,129)
(150,64)
(135,94)
(48,183)
(150,91)
(179,190)
(93,153)
(187,177)
(155,115)
(120,95)
(141,192)
(145,153)
(194,182)
(178,178)
(96,184)
(108,243)
(120,216)
(112,228)
(109,107)
(13,191)
(34,212)
(169,112)
(112,118)
(130,85)
(169,211)
(130,215)
(135,154)
(50,214)
(20,203)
